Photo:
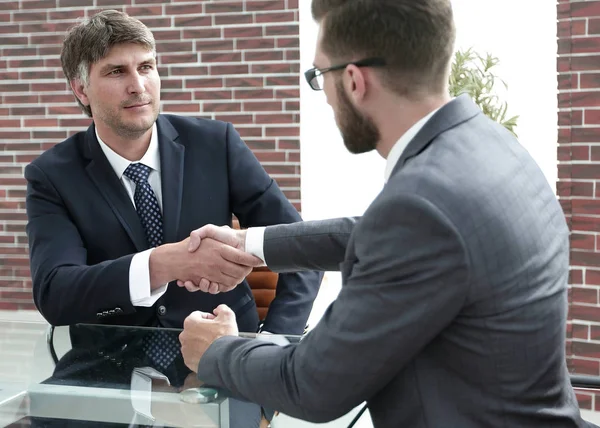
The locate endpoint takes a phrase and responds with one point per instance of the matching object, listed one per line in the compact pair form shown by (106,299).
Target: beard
(358,131)
(129,129)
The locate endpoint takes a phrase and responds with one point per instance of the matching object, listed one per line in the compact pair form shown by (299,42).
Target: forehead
(127,53)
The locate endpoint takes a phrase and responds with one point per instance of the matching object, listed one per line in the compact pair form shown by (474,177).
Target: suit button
(162,310)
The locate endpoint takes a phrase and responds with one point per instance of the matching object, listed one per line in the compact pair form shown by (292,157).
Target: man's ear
(354,80)
(80,91)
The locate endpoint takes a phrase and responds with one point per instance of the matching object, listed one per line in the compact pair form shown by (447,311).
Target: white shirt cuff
(139,281)
(255,238)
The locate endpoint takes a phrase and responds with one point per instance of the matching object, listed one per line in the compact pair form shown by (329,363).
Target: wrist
(161,266)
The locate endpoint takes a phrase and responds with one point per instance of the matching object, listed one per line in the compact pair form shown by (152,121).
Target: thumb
(224,312)
(195,239)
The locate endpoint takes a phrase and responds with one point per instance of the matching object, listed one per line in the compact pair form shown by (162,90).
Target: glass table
(95,375)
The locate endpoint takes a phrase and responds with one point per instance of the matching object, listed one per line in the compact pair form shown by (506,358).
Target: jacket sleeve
(408,281)
(65,289)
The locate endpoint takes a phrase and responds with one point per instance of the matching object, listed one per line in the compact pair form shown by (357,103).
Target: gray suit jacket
(453,307)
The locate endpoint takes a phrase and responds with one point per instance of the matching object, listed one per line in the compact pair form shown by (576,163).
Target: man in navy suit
(110,209)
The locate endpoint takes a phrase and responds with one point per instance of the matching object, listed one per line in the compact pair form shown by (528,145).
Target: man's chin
(358,148)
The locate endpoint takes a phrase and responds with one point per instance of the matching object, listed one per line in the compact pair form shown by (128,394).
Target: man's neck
(131,148)
(399,115)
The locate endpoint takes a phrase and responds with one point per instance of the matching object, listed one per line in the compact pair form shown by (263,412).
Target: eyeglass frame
(311,74)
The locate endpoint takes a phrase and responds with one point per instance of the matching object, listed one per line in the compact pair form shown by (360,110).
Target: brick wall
(578,185)
(236,61)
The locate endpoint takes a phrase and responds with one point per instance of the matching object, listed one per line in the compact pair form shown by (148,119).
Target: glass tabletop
(97,375)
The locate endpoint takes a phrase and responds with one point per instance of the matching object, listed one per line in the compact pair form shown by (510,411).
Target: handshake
(213,260)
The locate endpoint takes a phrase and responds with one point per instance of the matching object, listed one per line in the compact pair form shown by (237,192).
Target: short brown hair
(89,41)
(414,37)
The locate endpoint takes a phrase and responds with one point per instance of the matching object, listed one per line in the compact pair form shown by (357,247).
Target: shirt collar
(119,164)
(402,143)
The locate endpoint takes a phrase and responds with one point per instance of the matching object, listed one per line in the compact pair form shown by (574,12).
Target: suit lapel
(171,172)
(452,114)
(105,179)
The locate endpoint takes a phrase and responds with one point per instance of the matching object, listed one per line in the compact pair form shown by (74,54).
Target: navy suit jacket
(84,230)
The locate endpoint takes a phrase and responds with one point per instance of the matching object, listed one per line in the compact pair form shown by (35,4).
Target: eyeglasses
(314,76)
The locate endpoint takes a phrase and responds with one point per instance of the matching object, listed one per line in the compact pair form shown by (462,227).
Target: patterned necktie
(160,347)
(146,203)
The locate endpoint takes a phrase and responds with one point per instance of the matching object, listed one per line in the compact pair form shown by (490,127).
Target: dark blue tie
(146,203)
(160,346)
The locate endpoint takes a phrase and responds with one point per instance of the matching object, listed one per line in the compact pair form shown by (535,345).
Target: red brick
(262,43)
(30,16)
(582,241)
(584,9)
(281,169)
(581,258)
(592,117)
(571,117)
(271,68)
(181,58)
(262,106)
(221,57)
(576,276)
(249,131)
(66,14)
(181,108)
(224,7)
(165,47)
(282,30)
(270,55)
(214,45)
(236,118)
(193,21)
(42,123)
(585,295)
(287,93)
(103,3)
(175,96)
(288,42)
(10,123)
(261,5)
(253,94)
(243,82)
(585,135)
(233,19)
(188,71)
(205,94)
(582,366)
(586,349)
(246,31)
(284,131)
(292,54)
(202,33)
(582,63)
(260,144)
(590,80)
(229,69)
(568,81)
(270,156)
(261,18)
(292,105)
(139,11)
(9,29)
(219,107)
(594,26)
(275,118)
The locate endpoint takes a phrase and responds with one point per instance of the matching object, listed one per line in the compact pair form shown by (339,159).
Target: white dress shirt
(139,269)
(255,236)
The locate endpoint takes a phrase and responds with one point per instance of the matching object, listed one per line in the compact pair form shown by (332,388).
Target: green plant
(471,73)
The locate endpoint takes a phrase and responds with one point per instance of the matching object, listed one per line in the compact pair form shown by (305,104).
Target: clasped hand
(224,262)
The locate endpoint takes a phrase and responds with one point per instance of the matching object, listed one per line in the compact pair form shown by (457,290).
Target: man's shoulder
(187,124)
(63,154)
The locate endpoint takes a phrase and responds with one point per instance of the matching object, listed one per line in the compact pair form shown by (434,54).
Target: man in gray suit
(453,307)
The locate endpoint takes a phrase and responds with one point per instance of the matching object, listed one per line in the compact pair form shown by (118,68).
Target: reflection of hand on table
(181,414)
